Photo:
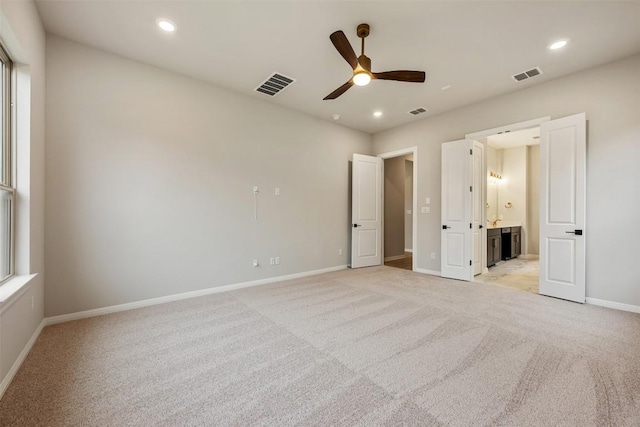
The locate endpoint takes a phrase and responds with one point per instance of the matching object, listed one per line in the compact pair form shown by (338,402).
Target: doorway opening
(399,203)
(562,213)
(508,247)
(512,203)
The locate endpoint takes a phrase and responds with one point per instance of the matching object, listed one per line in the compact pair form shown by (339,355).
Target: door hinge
(471,188)
(470,225)
(470,263)
(471,151)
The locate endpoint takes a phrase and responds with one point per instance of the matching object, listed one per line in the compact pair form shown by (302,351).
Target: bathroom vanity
(503,243)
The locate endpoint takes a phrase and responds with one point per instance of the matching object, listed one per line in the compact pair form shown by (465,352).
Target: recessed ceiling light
(558,44)
(446,87)
(167,26)
(377,113)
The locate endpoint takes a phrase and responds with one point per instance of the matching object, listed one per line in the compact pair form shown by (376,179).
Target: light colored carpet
(516,273)
(375,346)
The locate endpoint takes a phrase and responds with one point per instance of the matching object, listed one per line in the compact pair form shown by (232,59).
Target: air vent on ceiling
(527,74)
(275,84)
(417,111)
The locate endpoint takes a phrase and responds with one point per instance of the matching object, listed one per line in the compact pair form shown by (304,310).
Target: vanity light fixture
(494,178)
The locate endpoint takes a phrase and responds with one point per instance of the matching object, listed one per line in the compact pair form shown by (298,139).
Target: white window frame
(7,176)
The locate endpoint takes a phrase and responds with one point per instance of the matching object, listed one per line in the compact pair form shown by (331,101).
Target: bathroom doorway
(512,203)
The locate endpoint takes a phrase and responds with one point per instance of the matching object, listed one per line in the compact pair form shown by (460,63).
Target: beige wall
(610,97)
(533,200)
(513,189)
(24,38)
(150,177)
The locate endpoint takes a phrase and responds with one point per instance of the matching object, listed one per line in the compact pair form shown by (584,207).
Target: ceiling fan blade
(343,46)
(401,76)
(336,93)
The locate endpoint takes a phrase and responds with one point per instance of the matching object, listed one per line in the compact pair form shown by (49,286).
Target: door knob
(444,227)
(356,225)
(481,226)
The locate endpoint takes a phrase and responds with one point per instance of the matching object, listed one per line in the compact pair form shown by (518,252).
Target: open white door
(457,206)
(479,209)
(366,211)
(562,207)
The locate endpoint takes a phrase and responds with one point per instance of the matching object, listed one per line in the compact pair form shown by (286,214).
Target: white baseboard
(408,250)
(425,271)
(4,385)
(613,304)
(177,297)
(393,258)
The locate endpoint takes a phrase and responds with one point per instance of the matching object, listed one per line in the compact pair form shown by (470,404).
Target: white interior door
(457,206)
(366,211)
(562,207)
(479,210)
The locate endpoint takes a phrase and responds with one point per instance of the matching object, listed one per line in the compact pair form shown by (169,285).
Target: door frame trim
(508,128)
(414,217)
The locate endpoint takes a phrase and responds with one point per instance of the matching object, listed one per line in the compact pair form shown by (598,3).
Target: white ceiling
(515,139)
(473,46)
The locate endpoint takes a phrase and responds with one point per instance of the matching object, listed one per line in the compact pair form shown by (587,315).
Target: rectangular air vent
(275,84)
(527,74)
(417,111)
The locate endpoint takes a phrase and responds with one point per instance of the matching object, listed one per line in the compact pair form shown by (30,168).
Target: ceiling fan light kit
(361,65)
(361,78)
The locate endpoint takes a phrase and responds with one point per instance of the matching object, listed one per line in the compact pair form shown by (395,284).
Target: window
(7,190)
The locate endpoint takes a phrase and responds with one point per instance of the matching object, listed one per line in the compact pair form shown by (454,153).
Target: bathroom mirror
(492,199)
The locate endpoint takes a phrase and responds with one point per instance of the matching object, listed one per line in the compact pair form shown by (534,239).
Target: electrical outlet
(340,251)
(425,210)
(272,261)
(427,201)
(255,263)
(277,260)
(433,255)
(277,191)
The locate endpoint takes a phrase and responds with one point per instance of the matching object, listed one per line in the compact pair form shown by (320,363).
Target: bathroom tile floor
(517,273)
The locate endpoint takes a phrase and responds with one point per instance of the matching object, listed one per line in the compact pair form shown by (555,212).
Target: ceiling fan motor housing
(363,30)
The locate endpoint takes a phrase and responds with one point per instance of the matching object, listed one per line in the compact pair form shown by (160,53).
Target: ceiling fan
(361,65)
